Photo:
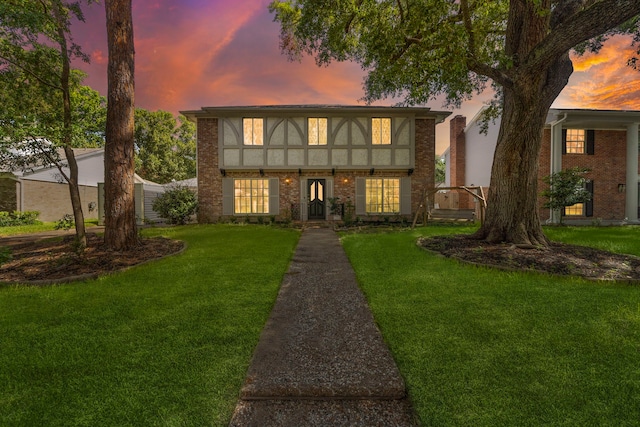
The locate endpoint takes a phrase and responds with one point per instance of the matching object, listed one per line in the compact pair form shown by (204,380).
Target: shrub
(65,223)
(176,204)
(18,218)
(5,255)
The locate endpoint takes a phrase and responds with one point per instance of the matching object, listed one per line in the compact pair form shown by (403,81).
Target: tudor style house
(603,141)
(299,161)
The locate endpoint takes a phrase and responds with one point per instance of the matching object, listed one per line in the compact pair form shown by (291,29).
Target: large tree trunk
(512,206)
(529,89)
(120,216)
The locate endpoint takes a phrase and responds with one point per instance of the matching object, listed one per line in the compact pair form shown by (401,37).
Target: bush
(5,255)
(176,204)
(18,218)
(65,223)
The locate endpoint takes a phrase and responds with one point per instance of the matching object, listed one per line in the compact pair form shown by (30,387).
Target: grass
(624,240)
(36,228)
(483,347)
(164,344)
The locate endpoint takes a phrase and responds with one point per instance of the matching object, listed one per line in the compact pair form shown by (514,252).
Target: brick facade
(424,178)
(457,156)
(457,140)
(608,170)
(209,175)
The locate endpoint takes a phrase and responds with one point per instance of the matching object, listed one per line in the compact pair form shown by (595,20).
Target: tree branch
(581,25)
(347,26)
(468,26)
(31,73)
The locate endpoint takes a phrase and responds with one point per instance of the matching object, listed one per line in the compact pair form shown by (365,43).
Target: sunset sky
(195,53)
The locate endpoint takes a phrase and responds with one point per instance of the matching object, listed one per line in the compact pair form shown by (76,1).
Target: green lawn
(36,228)
(482,347)
(164,344)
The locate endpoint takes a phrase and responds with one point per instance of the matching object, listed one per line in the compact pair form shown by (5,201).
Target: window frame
(257,139)
(253,198)
(568,210)
(381,140)
(574,143)
(320,141)
(381,192)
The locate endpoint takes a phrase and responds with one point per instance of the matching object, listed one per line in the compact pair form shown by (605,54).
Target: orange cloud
(603,80)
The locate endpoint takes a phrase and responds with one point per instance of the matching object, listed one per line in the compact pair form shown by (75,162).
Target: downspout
(556,158)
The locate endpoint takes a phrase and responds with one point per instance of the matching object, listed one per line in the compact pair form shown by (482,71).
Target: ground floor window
(382,195)
(251,196)
(574,210)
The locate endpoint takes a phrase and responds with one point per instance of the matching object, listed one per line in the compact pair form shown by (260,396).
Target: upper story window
(317,131)
(381,130)
(576,141)
(253,131)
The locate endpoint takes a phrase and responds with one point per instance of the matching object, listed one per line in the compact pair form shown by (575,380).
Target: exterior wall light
(622,188)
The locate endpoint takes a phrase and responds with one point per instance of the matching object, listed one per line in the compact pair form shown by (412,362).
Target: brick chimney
(457,150)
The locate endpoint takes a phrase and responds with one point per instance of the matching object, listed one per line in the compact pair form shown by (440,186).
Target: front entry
(315,189)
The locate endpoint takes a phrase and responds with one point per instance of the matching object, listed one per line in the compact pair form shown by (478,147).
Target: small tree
(177,204)
(566,188)
(441,170)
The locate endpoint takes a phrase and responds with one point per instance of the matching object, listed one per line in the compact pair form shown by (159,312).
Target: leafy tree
(89,117)
(441,170)
(566,188)
(420,49)
(36,49)
(119,212)
(164,150)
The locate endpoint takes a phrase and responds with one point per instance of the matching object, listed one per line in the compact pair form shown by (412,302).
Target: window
(574,210)
(575,141)
(252,128)
(382,195)
(317,131)
(251,196)
(380,131)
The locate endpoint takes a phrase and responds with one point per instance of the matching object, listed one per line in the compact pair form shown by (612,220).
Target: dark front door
(316,193)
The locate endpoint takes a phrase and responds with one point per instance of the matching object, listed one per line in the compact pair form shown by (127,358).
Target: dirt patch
(54,260)
(562,259)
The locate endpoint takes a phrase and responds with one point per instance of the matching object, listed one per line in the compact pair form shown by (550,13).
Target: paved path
(321,360)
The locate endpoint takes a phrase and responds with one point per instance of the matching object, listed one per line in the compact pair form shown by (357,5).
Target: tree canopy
(36,50)
(165,151)
(420,49)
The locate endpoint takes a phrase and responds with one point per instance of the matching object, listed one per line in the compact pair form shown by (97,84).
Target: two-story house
(603,141)
(294,161)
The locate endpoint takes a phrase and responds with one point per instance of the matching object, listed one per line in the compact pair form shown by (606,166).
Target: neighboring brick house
(293,161)
(604,141)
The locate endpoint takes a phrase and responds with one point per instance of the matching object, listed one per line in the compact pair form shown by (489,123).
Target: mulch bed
(54,260)
(559,258)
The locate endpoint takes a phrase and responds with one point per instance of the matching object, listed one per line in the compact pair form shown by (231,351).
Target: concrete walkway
(321,360)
